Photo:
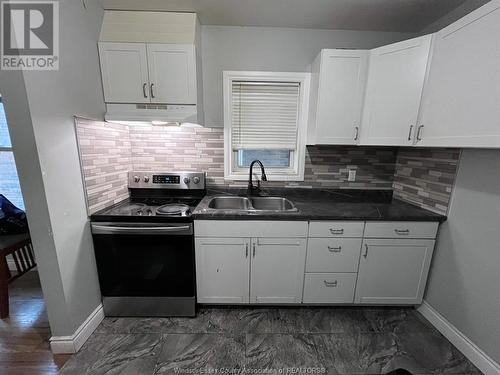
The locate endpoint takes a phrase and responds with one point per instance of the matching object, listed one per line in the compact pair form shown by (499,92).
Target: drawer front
(242,228)
(333,254)
(329,287)
(336,229)
(401,229)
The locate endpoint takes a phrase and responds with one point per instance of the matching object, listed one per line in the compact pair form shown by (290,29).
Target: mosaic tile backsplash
(105,160)
(202,149)
(420,176)
(425,176)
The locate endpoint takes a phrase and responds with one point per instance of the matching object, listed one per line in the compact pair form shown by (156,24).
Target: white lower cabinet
(222,270)
(253,269)
(383,263)
(277,270)
(393,271)
(326,288)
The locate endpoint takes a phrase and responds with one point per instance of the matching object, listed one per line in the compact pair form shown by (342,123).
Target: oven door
(145,269)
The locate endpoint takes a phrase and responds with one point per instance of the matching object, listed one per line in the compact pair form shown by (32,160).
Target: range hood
(157,114)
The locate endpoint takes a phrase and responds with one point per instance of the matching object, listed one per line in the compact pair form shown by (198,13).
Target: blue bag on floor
(12,219)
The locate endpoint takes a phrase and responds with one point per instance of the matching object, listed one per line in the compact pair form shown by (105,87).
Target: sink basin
(272,204)
(230,203)
(254,204)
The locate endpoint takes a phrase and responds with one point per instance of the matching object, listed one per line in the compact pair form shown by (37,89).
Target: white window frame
(296,171)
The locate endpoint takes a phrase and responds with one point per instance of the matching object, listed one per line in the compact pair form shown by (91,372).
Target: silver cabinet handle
(419,138)
(334,249)
(357,133)
(152,92)
(409,133)
(246,250)
(402,231)
(331,284)
(337,231)
(366,250)
(144,92)
(254,250)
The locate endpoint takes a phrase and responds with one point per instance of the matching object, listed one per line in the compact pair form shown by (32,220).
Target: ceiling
(376,15)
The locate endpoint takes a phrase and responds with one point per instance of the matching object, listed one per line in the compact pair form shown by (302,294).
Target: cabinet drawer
(333,254)
(401,229)
(242,228)
(329,287)
(336,229)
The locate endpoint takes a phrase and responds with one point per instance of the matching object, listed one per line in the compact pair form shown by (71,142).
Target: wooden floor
(24,335)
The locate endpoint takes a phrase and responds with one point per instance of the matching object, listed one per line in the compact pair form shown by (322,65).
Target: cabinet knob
(366,250)
(357,133)
(144,92)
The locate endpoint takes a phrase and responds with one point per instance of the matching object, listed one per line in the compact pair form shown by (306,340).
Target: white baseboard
(73,343)
(479,358)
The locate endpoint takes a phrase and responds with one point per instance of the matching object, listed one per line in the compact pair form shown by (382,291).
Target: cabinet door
(124,69)
(461,103)
(222,270)
(393,271)
(341,90)
(277,270)
(395,82)
(172,73)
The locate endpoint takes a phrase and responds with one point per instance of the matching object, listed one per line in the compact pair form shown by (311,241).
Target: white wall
(272,49)
(50,173)
(464,284)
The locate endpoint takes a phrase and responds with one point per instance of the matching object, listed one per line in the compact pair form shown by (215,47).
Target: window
(265,118)
(9,182)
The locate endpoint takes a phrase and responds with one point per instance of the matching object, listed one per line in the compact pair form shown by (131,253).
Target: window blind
(264,115)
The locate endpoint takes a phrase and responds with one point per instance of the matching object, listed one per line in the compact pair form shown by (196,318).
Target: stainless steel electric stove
(144,246)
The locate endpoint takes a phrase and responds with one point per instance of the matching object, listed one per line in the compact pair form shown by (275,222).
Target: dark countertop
(320,204)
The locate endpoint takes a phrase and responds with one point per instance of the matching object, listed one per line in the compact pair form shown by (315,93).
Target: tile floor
(326,340)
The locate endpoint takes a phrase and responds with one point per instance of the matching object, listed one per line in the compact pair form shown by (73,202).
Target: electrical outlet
(352,175)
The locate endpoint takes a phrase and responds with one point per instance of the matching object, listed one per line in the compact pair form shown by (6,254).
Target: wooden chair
(21,249)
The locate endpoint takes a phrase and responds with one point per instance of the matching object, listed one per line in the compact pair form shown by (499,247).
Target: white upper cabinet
(148,73)
(124,72)
(461,104)
(395,82)
(338,86)
(172,73)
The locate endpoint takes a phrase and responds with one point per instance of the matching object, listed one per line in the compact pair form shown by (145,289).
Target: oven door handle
(114,229)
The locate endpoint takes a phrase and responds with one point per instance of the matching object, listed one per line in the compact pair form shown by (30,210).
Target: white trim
(304,79)
(478,357)
(73,343)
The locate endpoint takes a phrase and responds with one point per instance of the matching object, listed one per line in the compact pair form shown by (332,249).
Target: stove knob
(146,179)
(187,180)
(196,180)
(137,179)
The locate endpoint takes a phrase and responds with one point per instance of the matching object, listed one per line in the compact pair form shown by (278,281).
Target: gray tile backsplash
(420,176)
(105,160)
(425,176)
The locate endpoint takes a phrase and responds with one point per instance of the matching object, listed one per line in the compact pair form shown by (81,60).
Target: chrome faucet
(251,189)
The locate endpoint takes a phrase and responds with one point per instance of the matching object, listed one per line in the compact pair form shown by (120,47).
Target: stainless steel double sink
(275,204)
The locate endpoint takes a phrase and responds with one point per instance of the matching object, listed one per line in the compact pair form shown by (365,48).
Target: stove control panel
(166,180)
